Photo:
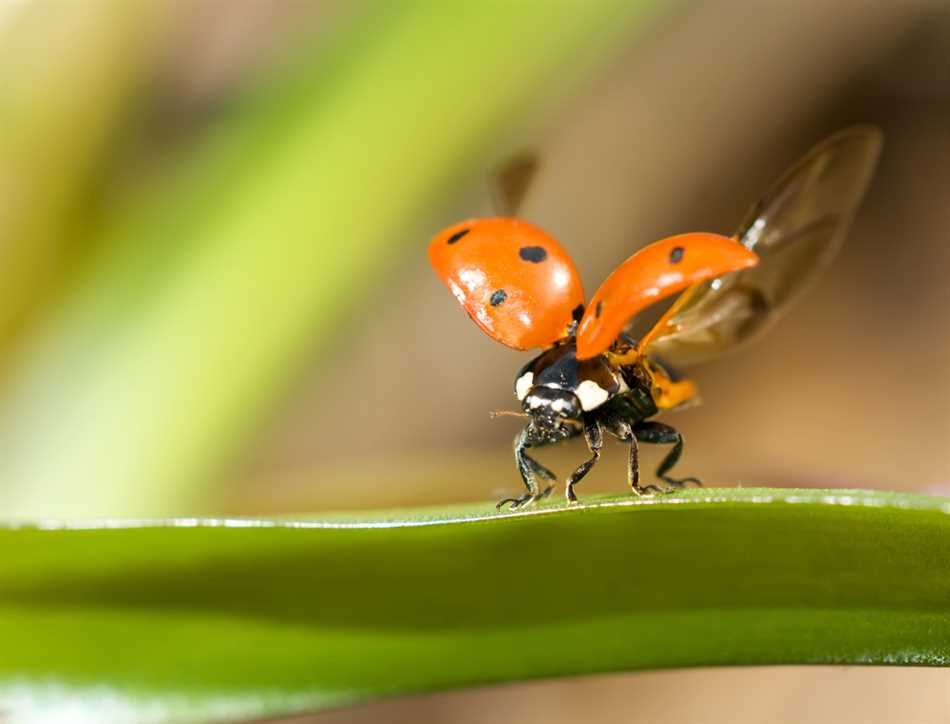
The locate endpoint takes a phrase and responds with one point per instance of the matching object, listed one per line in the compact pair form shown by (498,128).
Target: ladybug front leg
(530,470)
(541,472)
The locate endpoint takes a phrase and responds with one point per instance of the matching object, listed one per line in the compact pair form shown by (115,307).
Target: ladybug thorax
(556,383)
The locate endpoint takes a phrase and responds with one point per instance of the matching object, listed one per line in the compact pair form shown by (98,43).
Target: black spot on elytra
(457,235)
(578,313)
(498,296)
(535,254)
(676,255)
(598,309)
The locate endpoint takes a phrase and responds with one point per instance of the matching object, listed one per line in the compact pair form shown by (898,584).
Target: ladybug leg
(623,431)
(530,470)
(595,442)
(542,472)
(657,432)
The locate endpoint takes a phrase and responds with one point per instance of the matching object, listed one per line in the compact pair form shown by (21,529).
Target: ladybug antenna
(507,413)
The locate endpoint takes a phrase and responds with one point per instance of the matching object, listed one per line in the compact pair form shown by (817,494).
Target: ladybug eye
(456,236)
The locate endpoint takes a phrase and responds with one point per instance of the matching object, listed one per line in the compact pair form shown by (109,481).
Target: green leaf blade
(224,618)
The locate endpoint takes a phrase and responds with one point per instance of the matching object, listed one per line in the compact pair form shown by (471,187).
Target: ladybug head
(551,407)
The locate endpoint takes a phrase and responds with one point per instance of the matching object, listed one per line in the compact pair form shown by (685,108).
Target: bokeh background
(215,295)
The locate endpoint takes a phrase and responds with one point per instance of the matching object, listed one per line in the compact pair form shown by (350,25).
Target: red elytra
(520,286)
(653,273)
(515,281)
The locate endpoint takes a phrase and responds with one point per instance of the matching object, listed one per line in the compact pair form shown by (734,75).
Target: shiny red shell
(653,273)
(514,280)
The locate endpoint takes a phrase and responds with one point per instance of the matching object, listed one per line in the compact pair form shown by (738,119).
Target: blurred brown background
(681,131)
(852,389)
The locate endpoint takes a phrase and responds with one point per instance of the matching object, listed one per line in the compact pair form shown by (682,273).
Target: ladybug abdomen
(635,404)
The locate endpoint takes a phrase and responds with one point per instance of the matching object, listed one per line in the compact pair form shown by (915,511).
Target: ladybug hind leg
(658,433)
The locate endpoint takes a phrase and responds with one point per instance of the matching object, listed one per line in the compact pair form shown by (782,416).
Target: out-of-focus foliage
(68,79)
(213,282)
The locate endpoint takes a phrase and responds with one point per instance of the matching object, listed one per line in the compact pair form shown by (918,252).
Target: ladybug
(596,373)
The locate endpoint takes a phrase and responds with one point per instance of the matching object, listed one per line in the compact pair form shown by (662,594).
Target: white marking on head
(523,385)
(591,395)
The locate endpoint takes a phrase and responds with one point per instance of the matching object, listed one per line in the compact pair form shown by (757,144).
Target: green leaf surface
(202,619)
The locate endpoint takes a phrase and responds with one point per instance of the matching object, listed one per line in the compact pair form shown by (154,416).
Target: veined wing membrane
(796,230)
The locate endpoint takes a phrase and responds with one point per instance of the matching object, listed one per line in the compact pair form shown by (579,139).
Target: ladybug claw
(679,484)
(515,503)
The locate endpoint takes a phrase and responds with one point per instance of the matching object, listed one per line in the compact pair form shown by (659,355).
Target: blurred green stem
(67,75)
(143,386)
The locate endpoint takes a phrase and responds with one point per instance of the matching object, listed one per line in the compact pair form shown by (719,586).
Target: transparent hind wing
(796,229)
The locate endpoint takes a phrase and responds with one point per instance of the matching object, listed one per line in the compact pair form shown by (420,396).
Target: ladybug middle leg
(657,432)
(623,430)
(595,442)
